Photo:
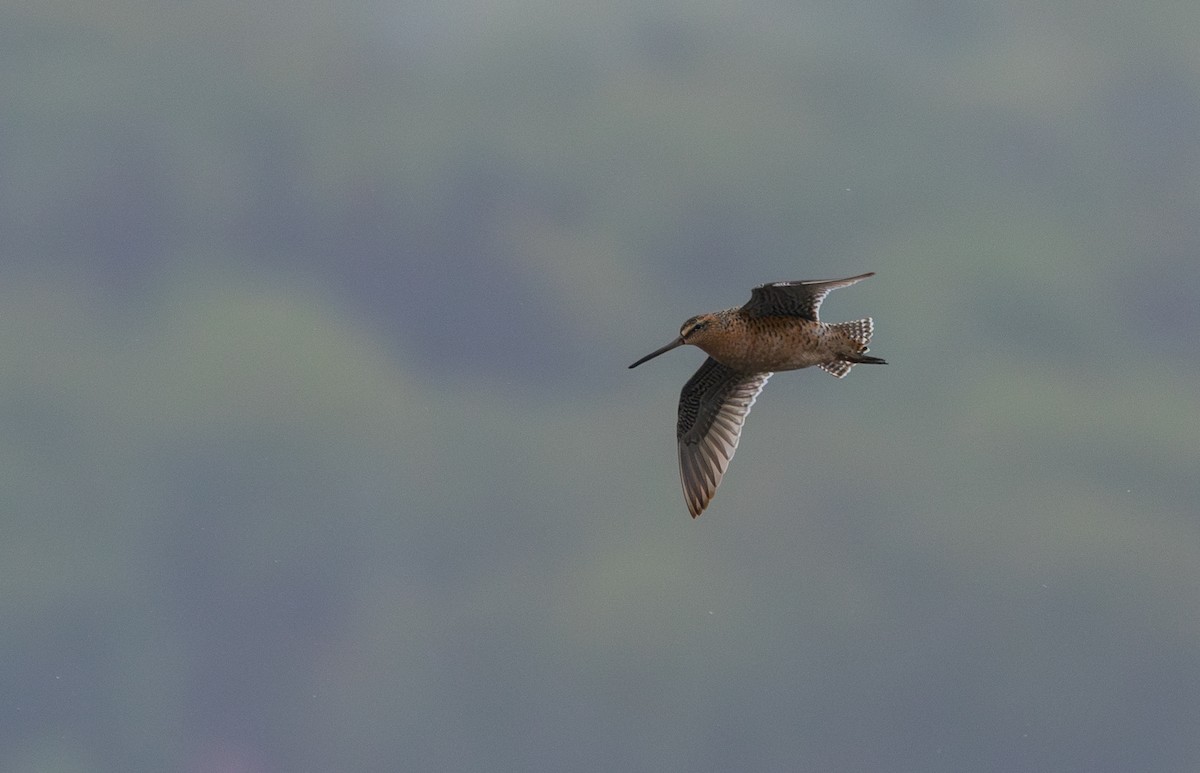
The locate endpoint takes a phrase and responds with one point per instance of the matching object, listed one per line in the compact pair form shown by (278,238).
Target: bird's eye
(692,326)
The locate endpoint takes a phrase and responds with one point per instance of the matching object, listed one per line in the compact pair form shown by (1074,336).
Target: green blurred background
(320,453)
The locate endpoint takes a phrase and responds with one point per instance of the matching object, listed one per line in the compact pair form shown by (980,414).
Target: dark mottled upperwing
(794,299)
(712,408)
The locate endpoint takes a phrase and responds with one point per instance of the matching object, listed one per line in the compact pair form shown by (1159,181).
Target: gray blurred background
(319,451)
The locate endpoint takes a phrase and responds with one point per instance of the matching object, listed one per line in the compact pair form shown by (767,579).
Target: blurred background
(320,453)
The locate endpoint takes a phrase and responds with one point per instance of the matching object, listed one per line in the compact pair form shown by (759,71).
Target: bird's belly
(773,351)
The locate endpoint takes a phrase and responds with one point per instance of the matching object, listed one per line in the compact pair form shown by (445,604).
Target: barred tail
(857,332)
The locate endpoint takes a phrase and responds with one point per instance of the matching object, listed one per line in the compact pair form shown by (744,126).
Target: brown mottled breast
(761,344)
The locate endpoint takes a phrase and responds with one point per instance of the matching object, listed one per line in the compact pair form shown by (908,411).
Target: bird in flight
(777,329)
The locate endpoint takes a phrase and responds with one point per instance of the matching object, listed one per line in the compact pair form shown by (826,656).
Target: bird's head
(699,329)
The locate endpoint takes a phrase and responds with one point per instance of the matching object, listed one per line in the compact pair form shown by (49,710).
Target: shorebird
(777,329)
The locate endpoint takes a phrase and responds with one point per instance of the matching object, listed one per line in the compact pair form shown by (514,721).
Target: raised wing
(795,299)
(712,408)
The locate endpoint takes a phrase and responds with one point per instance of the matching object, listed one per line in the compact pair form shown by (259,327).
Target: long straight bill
(656,352)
